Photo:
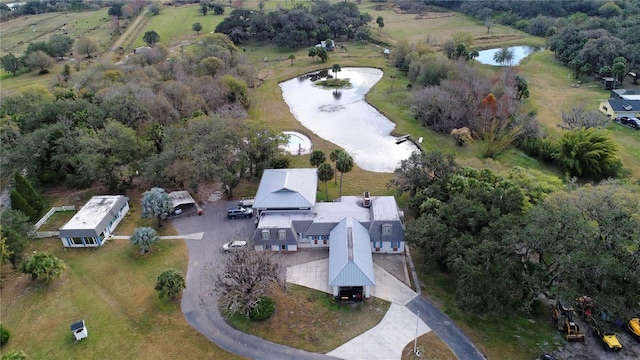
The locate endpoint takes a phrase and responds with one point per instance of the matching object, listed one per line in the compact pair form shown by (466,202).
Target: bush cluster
(264,310)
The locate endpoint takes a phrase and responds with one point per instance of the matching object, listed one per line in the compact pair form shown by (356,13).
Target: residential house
(615,108)
(350,227)
(95,221)
(625,94)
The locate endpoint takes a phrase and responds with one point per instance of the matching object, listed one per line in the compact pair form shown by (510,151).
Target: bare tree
(578,117)
(247,275)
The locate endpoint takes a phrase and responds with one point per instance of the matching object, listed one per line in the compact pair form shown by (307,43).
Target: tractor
(563,315)
(633,328)
(608,338)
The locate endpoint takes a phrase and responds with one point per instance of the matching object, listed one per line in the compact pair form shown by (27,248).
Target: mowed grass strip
(312,320)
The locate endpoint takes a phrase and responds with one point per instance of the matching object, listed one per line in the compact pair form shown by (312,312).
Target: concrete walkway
(398,327)
(195,236)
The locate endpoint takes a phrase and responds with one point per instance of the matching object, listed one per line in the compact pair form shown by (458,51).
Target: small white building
(79,330)
(94,223)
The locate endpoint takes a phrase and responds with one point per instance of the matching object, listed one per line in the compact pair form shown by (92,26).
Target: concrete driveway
(385,341)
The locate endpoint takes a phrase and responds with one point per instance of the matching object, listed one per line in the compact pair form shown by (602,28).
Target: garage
(350,261)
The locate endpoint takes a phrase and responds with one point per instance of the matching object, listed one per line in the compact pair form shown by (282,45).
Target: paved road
(445,329)
(199,300)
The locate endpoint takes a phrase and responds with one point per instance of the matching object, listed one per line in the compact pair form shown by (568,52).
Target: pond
(519,53)
(343,117)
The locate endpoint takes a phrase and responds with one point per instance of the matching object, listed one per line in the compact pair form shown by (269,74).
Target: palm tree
(333,156)
(503,56)
(336,69)
(156,203)
(144,237)
(343,164)
(317,158)
(325,173)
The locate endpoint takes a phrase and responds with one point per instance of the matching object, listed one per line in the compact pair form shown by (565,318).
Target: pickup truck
(246,202)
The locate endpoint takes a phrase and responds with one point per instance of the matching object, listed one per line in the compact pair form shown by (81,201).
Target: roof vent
(628,107)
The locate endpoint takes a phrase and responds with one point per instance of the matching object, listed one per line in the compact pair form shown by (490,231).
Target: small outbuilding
(95,221)
(183,201)
(79,330)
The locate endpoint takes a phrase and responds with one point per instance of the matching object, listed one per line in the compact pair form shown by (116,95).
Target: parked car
(239,211)
(630,122)
(234,245)
(545,357)
(246,202)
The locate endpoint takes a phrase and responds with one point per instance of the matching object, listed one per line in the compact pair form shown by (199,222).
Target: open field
(17,33)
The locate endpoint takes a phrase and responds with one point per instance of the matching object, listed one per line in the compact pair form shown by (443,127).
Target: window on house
(386,229)
(282,235)
(283,247)
(265,234)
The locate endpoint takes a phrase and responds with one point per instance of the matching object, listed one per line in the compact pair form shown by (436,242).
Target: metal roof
(619,105)
(384,208)
(94,216)
(287,189)
(181,198)
(350,259)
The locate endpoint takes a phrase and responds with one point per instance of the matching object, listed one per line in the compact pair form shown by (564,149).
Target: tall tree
(39,59)
(151,37)
(344,164)
(60,45)
(336,68)
(44,267)
(170,283)
(317,158)
(144,237)
(325,173)
(196,27)
(263,143)
(333,156)
(24,187)
(86,46)
(10,63)
(156,203)
(246,276)
(380,22)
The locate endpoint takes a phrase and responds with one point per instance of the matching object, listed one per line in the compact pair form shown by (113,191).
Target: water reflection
(519,53)
(344,118)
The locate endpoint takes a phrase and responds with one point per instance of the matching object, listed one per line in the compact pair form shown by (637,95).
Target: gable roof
(623,105)
(287,189)
(94,216)
(350,259)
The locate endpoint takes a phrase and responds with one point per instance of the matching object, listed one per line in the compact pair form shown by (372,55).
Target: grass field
(312,320)
(112,289)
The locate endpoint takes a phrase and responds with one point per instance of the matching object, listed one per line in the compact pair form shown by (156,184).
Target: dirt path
(131,30)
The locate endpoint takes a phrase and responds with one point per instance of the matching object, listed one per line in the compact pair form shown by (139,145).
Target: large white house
(352,227)
(95,221)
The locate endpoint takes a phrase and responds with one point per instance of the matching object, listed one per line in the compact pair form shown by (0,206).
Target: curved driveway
(200,302)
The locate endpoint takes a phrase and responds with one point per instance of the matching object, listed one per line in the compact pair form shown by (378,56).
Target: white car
(234,245)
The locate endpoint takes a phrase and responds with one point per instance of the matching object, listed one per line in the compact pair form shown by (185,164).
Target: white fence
(43,234)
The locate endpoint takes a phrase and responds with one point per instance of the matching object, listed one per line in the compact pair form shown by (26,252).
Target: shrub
(264,310)
(5,334)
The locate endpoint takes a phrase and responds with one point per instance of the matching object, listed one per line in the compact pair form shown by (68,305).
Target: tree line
(175,123)
(587,36)
(300,26)
(507,240)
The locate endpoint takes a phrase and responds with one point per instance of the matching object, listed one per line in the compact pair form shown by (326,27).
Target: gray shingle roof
(350,259)
(287,189)
(619,105)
